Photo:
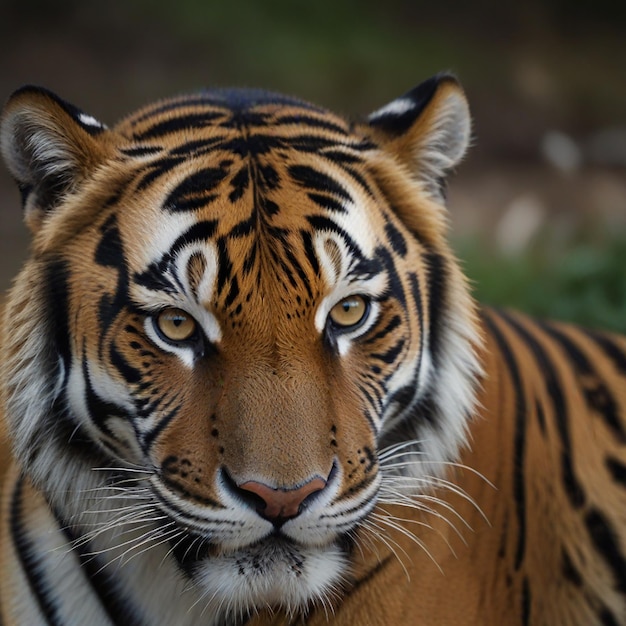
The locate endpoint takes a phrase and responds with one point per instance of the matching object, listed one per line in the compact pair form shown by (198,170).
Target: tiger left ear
(50,147)
(428,129)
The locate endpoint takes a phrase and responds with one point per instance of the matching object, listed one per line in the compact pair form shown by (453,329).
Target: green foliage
(584,283)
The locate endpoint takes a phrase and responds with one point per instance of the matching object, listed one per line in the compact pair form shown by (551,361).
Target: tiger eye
(349,312)
(176,325)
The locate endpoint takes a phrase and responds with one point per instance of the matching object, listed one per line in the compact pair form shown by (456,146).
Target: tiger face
(228,328)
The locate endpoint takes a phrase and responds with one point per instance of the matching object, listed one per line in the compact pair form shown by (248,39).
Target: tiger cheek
(189,448)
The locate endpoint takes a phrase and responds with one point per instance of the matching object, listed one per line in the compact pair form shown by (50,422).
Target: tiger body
(245,382)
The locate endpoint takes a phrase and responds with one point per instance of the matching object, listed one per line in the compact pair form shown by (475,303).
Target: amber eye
(176,325)
(349,312)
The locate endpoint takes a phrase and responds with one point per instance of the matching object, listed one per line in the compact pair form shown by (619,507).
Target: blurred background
(538,209)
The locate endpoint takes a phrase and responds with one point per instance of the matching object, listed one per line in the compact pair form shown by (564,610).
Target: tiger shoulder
(245,381)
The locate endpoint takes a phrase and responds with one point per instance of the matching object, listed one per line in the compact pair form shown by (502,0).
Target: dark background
(538,210)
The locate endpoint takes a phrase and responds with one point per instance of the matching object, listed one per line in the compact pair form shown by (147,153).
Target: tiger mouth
(271,551)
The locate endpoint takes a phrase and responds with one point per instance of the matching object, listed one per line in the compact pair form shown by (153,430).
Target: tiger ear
(49,146)
(428,129)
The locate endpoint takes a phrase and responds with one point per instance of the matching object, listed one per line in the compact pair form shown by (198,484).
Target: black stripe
(391,356)
(611,349)
(416,292)
(175,124)
(570,571)
(326,202)
(322,223)
(608,619)
(309,251)
(437,278)
(154,277)
(225,267)
(606,544)
(304,119)
(56,286)
(155,170)
(310,178)
(596,392)
(29,559)
(197,147)
(391,325)
(139,151)
(151,436)
(99,410)
(519,438)
(129,373)
(239,183)
(194,192)
(396,238)
(617,469)
(573,488)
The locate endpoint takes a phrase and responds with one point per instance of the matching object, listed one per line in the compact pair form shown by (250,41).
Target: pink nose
(282,504)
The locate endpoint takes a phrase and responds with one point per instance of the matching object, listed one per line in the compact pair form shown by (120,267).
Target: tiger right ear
(427,129)
(49,146)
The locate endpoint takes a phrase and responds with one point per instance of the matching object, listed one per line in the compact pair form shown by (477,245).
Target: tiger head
(240,314)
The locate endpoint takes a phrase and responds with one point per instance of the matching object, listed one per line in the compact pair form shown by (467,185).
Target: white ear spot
(397,107)
(89,120)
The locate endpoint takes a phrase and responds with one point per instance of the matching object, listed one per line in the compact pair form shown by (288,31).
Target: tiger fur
(245,382)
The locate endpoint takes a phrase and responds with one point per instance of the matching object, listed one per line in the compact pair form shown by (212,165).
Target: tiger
(246,381)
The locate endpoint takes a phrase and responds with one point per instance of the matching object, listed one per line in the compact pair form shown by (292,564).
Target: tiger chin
(245,382)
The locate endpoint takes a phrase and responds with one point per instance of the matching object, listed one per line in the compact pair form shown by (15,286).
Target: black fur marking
(416,292)
(570,572)
(437,278)
(310,178)
(389,327)
(617,469)
(309,251)
(155,276)
(326,202)
(239,183)
(606,544)
(56,298)
(225,266)
(573,488)
(193,192)
(386,262)
(611,349)
(74,112)
(597,394)
(519,461)
(150,437)
(155,170)
(139,151)
(398,123)
(322,223)
(29,561)
(99,410)
(302,119)
(608,619)
(110,253)
(391,356)
(396,238)
(176,124)
(197,147)
(130,374)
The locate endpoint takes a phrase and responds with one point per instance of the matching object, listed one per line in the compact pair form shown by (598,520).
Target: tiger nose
(279,505)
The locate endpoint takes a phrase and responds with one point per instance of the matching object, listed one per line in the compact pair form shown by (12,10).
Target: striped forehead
(238,166)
